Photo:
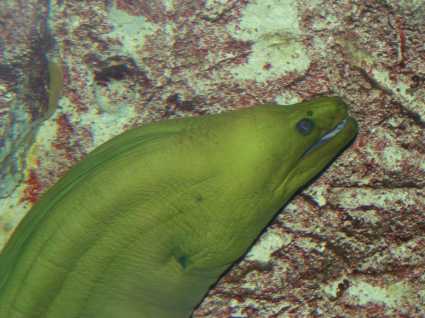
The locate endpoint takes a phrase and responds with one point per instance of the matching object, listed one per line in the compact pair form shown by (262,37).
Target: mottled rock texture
(24,41)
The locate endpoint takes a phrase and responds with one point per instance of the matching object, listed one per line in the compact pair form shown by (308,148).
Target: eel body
(148,222)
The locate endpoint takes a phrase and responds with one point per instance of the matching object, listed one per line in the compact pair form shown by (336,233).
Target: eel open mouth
(326,137)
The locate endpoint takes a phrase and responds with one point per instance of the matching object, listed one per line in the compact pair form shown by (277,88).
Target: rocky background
(73,74)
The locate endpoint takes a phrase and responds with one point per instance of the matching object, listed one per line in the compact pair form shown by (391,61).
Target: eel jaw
(315,158)
(326,137)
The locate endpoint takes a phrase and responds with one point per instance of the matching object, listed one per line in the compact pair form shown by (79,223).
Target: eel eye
(305,126)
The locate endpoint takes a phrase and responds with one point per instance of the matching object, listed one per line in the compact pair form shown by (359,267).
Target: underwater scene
(212,158)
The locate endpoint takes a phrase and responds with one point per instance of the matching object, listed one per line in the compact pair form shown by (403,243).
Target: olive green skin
(147,222)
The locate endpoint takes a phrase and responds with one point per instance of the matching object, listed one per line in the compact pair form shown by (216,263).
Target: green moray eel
(148,222)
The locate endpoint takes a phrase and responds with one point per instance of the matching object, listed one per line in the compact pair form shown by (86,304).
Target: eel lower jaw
(326,137)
